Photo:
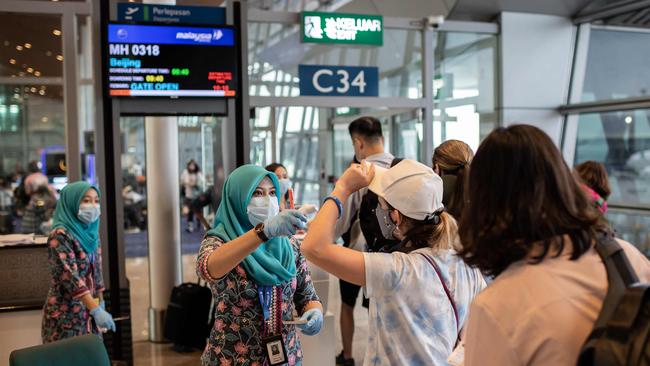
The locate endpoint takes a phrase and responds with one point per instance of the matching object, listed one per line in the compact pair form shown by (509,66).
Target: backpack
(370,226)
(621,334)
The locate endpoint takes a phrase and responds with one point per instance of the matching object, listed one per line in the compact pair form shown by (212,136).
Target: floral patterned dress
(74,274)
(237,333)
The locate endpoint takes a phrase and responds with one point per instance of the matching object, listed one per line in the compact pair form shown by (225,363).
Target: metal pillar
(71,92)
(163,213)
(163,217)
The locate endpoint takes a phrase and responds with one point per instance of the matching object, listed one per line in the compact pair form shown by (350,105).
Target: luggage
(621,335)
(6,223)
(188,321)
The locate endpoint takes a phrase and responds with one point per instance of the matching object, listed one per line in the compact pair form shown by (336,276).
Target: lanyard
(266,296)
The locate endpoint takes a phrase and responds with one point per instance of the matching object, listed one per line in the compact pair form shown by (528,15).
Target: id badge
(275,351)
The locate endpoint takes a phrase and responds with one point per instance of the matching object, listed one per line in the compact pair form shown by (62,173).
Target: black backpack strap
(620,276)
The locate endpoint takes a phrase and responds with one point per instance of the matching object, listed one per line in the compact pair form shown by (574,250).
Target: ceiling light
(628,119)
(48,53)
(12,61)
(41,92)
(19,48)
(21,74)
(44,119)
(59,57)
(37,73)
(30,70)
(28,45)
(56,32)
(32,89)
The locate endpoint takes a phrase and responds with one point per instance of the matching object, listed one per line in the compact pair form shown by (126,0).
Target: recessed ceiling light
(12,61)
(628,119)
(28,45)
(30,70)
(19,48)
(44,119)
(59,57)
(56,32)
(37,73)
(32,89)
(41,92)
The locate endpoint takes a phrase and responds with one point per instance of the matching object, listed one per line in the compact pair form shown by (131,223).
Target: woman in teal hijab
(74,304)
(257,275)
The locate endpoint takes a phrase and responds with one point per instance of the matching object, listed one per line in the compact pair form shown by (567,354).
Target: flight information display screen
(171,61)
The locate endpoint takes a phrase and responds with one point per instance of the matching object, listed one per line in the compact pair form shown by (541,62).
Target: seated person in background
(529,223)
(594,176)
(39,211)
(210,197)
(420,292)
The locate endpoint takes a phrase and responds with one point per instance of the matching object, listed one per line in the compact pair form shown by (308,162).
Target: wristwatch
(259,230)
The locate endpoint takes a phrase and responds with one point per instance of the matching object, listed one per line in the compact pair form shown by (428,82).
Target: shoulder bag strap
(620,275)
(447,292)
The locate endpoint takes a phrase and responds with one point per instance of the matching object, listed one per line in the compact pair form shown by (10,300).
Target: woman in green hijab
(257,275)
(74,304)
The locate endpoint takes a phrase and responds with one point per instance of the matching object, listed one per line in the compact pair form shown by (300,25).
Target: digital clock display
(171,61)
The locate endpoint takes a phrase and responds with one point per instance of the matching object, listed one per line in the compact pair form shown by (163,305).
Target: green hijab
(65,216)
(273,262)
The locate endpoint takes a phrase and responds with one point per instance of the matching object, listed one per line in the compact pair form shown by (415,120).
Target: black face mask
(448,186)
(386,224)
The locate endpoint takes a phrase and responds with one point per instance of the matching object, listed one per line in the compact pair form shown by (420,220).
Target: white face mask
(88,213)
(285,185)
(262,208)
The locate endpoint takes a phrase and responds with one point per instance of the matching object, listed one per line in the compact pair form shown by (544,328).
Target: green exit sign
(320,27)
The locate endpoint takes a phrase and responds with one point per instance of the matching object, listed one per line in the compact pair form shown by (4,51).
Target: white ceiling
(399,8)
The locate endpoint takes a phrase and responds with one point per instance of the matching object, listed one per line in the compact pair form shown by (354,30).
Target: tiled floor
(147,353)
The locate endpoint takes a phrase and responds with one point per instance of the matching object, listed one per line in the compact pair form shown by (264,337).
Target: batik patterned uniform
(236,336)
(74,274)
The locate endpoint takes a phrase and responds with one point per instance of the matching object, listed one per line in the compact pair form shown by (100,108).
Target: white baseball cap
(411,187)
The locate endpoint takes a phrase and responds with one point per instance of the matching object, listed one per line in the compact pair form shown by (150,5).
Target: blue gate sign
(131,12)
(348,81)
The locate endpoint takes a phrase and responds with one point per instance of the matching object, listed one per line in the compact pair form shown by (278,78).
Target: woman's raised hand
(285,223)
(357,176)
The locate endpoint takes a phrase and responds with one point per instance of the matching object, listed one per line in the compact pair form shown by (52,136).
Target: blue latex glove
(285,224)
(102,304)
(103,319)
(314,318)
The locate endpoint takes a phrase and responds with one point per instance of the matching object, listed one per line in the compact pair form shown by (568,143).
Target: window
(617,65)
(464,87)
(620,140)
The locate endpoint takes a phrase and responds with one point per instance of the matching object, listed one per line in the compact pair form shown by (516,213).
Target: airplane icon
(131,11)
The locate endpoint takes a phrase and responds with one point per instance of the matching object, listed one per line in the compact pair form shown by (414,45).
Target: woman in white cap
(419,292)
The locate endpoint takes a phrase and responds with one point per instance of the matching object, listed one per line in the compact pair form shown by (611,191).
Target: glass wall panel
(632,226)
(275,51)
(290,136)
(32,133)
(617,65)
(620,140)
(464,86)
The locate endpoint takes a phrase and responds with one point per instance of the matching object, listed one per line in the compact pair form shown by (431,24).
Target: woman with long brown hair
(451,161)
(529,223)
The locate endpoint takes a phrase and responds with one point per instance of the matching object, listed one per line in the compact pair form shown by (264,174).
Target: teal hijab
(65,216)
(273,262)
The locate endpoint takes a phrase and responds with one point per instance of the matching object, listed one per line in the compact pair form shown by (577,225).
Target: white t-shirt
(411,319)
(541,314)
